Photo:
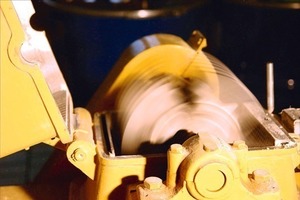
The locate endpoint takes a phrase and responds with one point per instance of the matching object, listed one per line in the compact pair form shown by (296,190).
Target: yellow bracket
(82,151)
(197,41)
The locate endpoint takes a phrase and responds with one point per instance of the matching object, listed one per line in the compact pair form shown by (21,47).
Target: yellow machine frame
(204,167)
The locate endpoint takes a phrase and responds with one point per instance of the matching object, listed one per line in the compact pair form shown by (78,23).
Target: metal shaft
(270,87)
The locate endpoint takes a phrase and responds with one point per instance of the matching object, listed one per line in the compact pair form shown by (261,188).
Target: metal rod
(270,87)
(297,126)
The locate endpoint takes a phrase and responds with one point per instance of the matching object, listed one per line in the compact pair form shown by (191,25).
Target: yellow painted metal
(113,172)
(235,170)
(35,191)
(14,192)
(229,172)
(113,176)
(82,150)
(226,172)
(280,163)
(176,155)
(29,114)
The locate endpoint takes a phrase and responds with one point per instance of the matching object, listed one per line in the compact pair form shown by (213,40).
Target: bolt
(153,183)
(240,144)
(297,126)
(79,155)
(176,148)
(261,175)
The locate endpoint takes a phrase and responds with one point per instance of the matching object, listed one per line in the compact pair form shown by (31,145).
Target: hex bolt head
(153,183)
(79,155)
(261,175)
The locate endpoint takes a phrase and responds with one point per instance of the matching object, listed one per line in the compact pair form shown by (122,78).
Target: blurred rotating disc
(153,111)
(142,104)
(159,94)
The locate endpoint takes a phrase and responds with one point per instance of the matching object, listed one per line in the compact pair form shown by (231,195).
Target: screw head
(153,183)
(79,155)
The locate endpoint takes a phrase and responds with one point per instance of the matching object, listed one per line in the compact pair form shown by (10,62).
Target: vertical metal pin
(270,87)
(297,126)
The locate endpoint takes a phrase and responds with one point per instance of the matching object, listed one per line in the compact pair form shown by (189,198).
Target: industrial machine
(169,122)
